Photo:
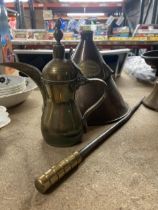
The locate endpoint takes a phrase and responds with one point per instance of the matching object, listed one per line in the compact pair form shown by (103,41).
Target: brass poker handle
(57,172)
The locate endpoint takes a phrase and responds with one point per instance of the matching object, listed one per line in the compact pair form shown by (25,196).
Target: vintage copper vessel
(62,123)
(151,101)
(91,63)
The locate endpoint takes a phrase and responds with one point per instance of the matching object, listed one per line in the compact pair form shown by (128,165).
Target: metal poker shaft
(51,177)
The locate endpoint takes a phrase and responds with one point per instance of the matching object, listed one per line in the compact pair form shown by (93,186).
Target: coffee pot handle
(97,103)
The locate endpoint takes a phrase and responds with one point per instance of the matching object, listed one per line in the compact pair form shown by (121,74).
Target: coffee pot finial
(58,34)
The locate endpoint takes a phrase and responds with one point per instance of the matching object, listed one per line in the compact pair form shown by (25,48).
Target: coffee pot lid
(60,69)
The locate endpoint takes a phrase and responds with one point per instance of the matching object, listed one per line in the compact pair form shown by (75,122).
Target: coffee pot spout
(32,72)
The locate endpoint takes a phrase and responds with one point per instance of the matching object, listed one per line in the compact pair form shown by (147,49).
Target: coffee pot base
(63,141)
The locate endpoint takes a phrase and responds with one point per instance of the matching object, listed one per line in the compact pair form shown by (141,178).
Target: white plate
(9,92)
(11,84)
(3,114)
(4,122)
(2,109)
(11,81)
(17,98)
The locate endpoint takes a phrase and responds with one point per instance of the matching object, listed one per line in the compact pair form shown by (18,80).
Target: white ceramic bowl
(17,98)
(11,84)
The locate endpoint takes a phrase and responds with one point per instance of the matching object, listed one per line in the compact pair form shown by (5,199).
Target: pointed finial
(58,34)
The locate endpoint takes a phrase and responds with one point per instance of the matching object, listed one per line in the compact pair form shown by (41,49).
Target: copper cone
(151,101)
(91,63)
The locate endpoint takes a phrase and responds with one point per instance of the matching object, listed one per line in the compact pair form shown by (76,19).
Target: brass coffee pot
(91,63)
(62,123)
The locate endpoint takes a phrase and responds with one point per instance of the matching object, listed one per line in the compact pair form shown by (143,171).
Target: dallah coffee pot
(91,63)
(62,123)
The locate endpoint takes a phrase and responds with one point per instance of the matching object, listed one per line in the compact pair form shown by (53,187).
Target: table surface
(122,174)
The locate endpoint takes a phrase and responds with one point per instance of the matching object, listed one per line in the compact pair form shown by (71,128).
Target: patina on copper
(91,63)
